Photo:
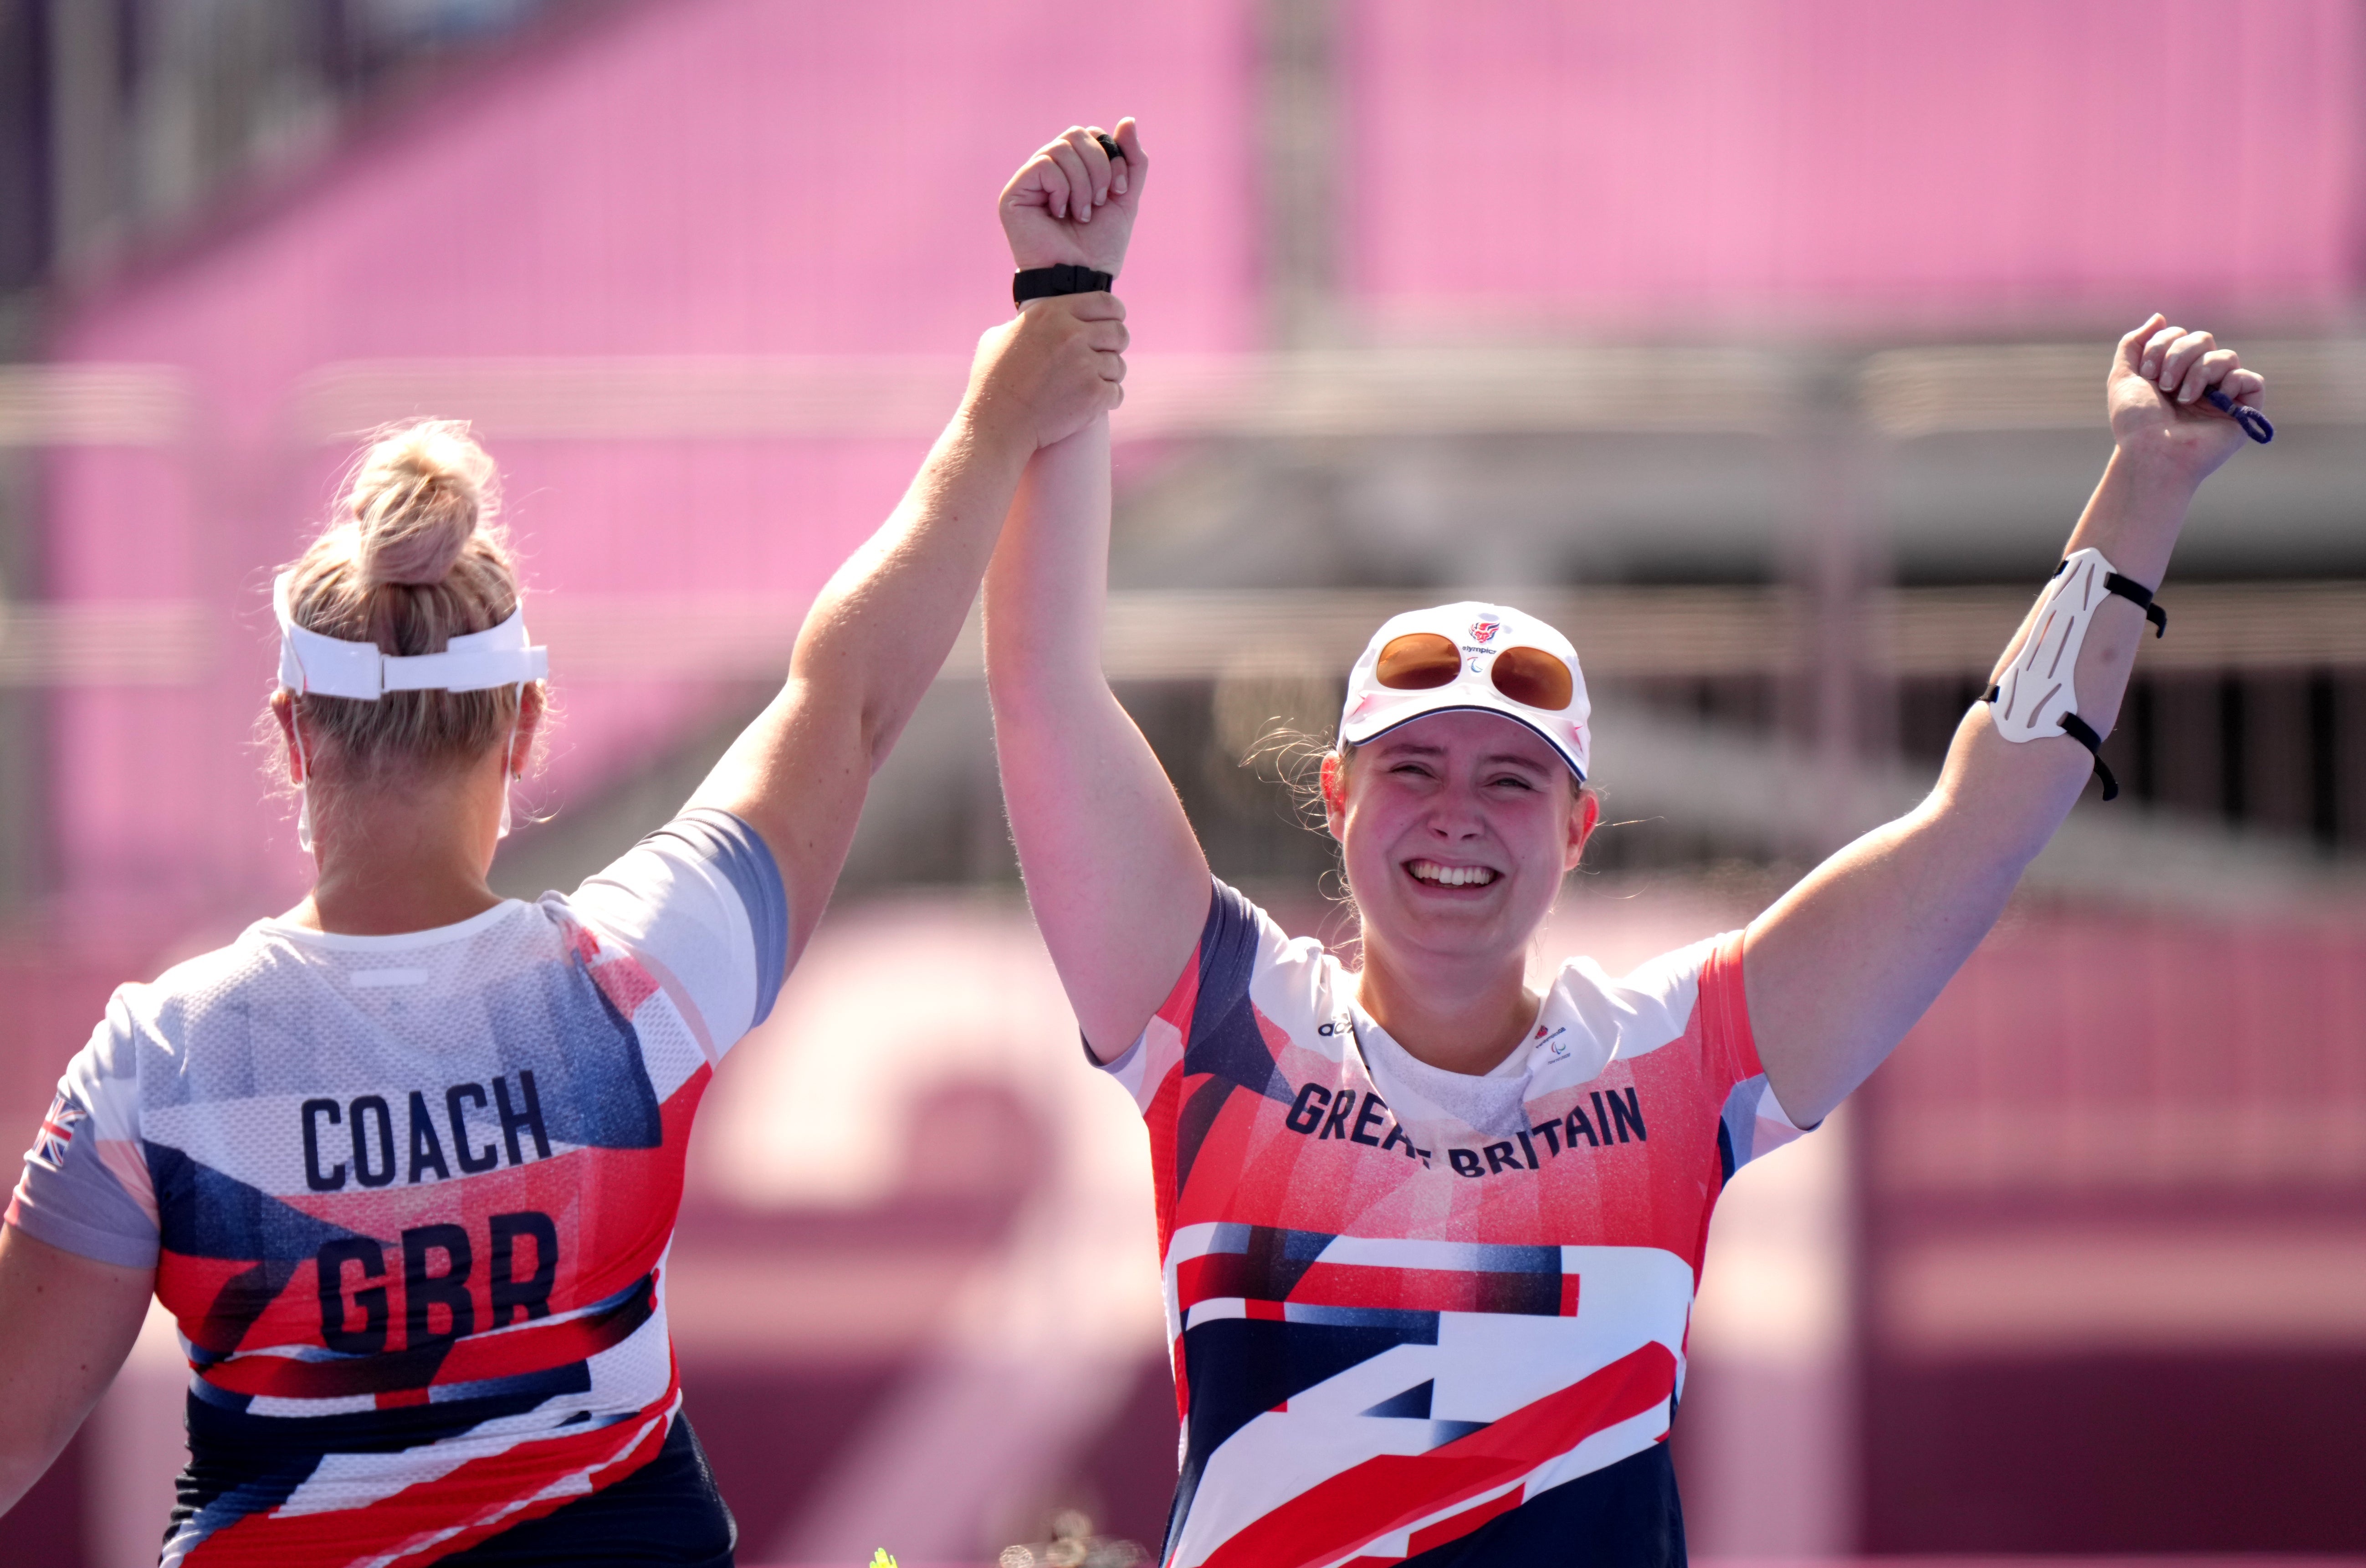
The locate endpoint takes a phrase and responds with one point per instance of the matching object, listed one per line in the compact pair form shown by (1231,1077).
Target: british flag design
(56,1135)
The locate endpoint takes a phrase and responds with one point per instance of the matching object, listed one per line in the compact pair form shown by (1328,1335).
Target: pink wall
(763,177)
(2109,1189)
(694,177)
(1708,166)
(2112,1053)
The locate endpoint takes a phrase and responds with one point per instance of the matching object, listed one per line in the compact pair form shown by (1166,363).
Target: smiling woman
(1383,1193)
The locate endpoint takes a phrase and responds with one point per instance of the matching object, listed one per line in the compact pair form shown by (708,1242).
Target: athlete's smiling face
(1456,830)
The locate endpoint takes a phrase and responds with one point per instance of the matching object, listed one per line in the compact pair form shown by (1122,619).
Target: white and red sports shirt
(1409,1308)
(410,1198)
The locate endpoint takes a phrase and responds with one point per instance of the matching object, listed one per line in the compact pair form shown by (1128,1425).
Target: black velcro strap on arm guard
(2078,729)
(2135,592)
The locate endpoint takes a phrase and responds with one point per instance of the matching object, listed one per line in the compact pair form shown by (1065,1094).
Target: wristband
(1041,282)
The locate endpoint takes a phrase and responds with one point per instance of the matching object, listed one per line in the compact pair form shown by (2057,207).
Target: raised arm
(883,625)
(1844,963)
(1115,875)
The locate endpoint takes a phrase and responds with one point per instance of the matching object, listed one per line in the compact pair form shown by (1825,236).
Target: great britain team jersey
(409,1198)
(1419,1316)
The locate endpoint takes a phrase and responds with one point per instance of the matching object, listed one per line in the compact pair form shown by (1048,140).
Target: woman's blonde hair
(411,558)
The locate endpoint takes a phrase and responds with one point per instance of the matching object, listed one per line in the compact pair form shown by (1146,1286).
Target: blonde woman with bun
(403,1162)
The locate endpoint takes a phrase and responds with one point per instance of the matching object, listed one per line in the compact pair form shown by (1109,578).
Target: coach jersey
(1410,1308)
(410,1198)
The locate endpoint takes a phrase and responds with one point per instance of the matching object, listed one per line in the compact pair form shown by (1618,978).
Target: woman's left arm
(66,1323)
(1844,963)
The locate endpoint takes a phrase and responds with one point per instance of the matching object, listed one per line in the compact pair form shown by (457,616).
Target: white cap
(473,661)
(1481,632)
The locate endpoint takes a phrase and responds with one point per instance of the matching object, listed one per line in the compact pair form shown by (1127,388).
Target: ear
(1584,817)
(1335,796)
(282,709)
(529,724)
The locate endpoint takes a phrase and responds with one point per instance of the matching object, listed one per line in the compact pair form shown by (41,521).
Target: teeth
(1452,876)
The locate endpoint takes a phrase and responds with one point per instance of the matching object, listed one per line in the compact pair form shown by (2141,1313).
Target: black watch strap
(1041,282)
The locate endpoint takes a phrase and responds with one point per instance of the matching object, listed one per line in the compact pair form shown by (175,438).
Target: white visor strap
(332,666)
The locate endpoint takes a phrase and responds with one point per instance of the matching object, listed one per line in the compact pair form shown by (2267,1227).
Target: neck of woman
(404,854)
(1450,1012)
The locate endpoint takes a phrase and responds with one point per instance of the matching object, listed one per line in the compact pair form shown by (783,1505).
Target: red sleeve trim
(1725,1012)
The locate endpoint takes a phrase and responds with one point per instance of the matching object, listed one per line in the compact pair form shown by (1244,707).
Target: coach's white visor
(473,661)
(1469,658)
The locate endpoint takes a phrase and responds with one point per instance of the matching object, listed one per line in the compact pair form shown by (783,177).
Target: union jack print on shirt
(57,1133)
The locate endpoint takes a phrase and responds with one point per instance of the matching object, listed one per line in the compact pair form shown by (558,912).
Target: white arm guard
(2037,696)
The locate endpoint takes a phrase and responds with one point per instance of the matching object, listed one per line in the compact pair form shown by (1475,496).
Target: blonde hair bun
(418,495)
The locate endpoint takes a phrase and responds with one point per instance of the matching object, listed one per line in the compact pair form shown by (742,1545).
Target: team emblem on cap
(1490,658)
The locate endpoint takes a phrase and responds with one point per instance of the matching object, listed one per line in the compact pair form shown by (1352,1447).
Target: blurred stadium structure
(1759,345)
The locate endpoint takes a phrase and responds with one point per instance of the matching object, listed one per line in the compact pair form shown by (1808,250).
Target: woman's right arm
(880,629)
(1116,877)
(1119,884)
(66,1323)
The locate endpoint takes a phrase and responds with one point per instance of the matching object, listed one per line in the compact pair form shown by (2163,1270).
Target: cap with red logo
(1469,658)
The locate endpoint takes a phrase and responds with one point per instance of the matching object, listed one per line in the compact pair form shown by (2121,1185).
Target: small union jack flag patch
(58,1128)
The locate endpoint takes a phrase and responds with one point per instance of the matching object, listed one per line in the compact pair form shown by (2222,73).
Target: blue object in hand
(2254,424)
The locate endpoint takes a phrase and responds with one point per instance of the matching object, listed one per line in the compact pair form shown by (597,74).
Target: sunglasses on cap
(1422,661)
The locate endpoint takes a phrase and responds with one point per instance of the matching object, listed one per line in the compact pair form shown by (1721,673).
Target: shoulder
(704,875)
(1245,974)
(1597,1017)
(1668,986)
(705,848)
(1244,952)
(149,1028)
(1249,993)
(701,906)
(163,1011)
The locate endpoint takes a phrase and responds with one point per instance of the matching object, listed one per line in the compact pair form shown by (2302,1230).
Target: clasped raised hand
(2157,393)
(1054,368)
(1073,204)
